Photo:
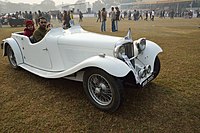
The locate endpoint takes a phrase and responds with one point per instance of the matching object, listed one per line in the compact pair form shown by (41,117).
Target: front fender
(148,56)
(111,65)
(15,47)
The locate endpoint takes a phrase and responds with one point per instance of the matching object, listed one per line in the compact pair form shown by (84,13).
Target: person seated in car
(41,31)
(28,31)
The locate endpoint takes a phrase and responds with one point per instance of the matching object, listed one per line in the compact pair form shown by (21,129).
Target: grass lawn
(171,103)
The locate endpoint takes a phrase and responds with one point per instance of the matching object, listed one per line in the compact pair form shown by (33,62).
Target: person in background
(20,16)
(59,16)
(28,31)
(71,18)
(48,16)
(66,19)
(26,15)
(0,23)
(39,13)
(198,13)
(146,16)
(35,17)
(152,15)
(117,18)
(30,16)
(104,17)
(113,18)
(42,29)
(99,16)
(121,15)
(16,15)
(80,16)
(129,15)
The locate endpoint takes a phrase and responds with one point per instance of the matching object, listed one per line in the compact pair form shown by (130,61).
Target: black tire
(156,69)
(103,90)
(11,57)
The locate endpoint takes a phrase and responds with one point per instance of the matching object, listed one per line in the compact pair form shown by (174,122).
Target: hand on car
(49,26)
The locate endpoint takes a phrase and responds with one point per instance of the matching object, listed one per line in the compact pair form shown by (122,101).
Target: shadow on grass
(136,100)
(64,100)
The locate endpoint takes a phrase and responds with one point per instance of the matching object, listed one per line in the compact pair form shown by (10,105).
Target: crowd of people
(115,15)
(151,14)
(4,18)
(42,21)
(28,16)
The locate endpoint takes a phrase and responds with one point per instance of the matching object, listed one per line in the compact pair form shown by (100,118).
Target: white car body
(69,53)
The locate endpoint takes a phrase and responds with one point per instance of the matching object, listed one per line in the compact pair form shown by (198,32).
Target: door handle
(45,49)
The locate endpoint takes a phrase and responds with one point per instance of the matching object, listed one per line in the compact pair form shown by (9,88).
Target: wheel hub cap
(97,90)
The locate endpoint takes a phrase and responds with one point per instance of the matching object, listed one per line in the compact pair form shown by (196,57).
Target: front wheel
(156,69)
(102,89)
(11,57)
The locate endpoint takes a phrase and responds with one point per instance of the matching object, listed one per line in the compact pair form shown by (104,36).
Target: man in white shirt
(152,15)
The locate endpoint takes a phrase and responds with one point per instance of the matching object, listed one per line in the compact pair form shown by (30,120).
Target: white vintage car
(103,63)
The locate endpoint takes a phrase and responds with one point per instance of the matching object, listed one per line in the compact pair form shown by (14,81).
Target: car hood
(76,36)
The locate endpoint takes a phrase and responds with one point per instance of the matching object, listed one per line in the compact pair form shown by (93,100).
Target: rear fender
(15,47)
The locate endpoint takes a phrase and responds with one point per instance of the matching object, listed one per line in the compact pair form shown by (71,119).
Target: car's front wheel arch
(11,56)
(12,43)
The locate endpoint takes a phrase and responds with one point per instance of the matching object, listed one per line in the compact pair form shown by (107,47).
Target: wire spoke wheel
(100,89)
(103,90)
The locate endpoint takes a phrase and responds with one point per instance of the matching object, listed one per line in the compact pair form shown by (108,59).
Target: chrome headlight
(141,44)
(148,68)
(142,73)
(119,51)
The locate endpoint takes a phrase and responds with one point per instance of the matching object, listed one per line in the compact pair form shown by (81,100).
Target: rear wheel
(11,57)
(102,89)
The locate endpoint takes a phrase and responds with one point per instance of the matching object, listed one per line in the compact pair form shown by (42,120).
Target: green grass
(171,103)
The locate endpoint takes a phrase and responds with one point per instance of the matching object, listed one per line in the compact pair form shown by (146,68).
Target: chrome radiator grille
(129,50)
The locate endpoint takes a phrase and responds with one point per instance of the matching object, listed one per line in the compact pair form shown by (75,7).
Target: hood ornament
(129,35)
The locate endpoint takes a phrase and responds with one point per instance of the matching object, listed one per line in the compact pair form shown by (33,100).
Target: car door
(37,54)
